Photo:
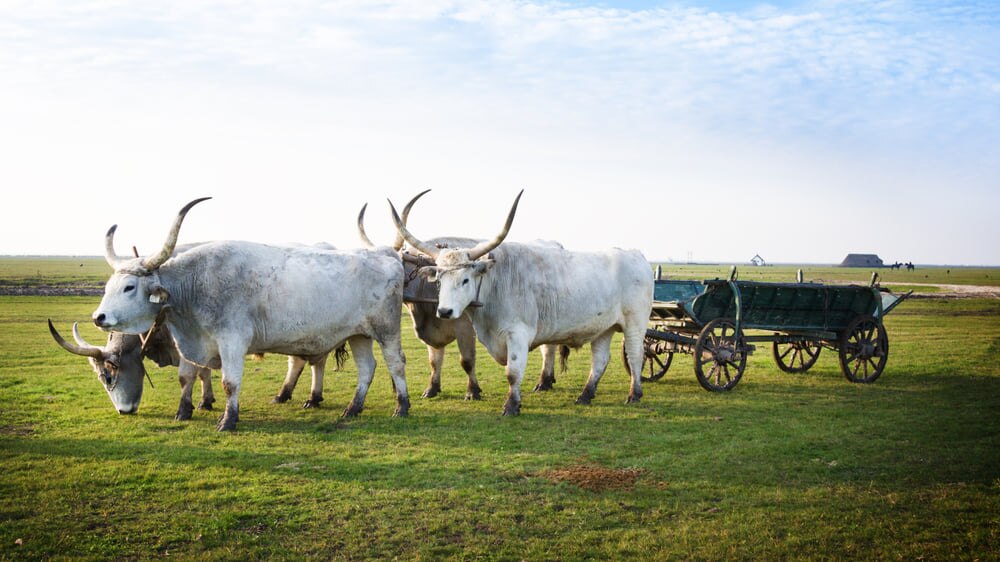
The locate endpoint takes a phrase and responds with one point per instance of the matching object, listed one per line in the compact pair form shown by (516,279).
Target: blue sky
(714,131)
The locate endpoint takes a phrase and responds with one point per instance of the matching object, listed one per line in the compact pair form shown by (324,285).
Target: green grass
(783,467)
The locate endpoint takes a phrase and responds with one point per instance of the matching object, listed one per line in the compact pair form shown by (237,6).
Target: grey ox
(420,297)
(120,369)
(533,295)
(224,300)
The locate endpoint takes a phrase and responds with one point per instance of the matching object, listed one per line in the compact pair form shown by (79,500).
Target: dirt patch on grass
(595,478)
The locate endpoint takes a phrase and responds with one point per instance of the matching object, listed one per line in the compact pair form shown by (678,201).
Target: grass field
(782,467)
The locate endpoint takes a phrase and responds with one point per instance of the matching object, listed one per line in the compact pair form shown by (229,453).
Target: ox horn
(361,228)
(109,248)
(85,349)
(153,262)
(398,243)
(488,246)
(407,236)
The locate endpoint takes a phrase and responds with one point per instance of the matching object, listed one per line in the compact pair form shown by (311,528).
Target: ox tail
(563,358)
(341,355)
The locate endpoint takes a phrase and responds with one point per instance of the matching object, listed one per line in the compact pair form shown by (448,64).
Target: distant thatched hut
(862,260)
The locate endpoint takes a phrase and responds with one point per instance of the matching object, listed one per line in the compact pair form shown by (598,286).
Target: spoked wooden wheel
(655,359)
(864,349)
(796,356)
(720,355)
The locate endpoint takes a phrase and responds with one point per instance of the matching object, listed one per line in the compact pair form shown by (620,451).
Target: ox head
(458,271)
(118,365)
(133,295)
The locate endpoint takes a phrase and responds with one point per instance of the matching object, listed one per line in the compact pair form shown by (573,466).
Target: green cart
(719,321)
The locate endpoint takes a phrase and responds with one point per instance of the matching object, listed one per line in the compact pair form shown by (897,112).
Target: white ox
(534,294)
(225,300)
(420,297)
(120,369)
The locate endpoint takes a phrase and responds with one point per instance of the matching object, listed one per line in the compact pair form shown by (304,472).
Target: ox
(533,294)
(420,297)
(227,299)
(119,367)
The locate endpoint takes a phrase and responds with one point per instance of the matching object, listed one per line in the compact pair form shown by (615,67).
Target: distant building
(862,260)
(757,260)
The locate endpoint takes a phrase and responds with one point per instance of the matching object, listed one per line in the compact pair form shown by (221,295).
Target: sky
(701,130)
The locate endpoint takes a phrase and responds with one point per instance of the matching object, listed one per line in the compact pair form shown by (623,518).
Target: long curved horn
(84,350)
(361,228)
(486,247)
(153,262)
(109,248)
(398,243)
(413,240)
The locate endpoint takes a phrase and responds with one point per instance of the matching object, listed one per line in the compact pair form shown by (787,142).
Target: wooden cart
(711,319)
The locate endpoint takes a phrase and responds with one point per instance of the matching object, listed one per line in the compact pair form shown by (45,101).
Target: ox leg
(316,392)
(548,376)
(295,367)
(186,374)
(467,351)
(600,355)
(361,348)
(207,394)
(517,360)
(634,355)
(435,356)
(392,352)
(232,379)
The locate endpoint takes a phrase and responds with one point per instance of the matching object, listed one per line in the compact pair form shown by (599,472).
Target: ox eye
(129,288)
(465,281)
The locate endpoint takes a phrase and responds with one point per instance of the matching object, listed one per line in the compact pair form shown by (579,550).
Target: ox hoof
(226,424)
(473,395)
(184,411)
(585,397)
(543,385)
(432,391)
(633,398)
(282,397)
(206,404)
(511,409)
(402,407)
(313,402)
(352,411)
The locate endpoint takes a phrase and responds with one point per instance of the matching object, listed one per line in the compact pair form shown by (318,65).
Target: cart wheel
(796,356)
(722,351)
(655,360)
(864,349)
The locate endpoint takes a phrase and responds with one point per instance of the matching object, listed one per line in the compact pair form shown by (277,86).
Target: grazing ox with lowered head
(224,300)
(533,295)
(119,367)
(421,296)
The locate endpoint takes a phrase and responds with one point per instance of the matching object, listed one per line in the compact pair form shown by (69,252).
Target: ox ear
(158,295)
(429,272)
(482,265)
